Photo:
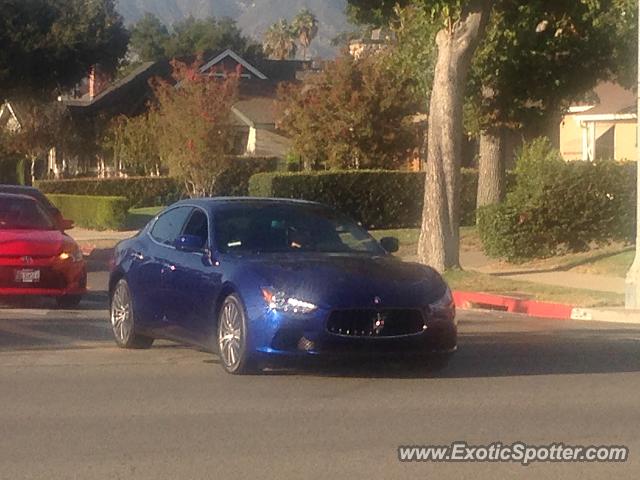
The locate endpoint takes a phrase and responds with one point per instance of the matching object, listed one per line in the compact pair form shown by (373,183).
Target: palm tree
(280,41)
(305,25)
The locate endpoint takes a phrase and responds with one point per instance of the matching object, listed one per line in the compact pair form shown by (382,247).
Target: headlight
(281,302)
(444,308)
(71,252)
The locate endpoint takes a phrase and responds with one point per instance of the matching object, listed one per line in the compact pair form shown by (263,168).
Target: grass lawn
(602,261)
(479,282)
(409,237)
(616,265)
(139,217)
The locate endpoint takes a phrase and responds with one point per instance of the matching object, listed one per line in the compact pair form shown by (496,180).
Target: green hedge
(94,212)
(153,191)
(139,191)
(378,199)
(558,207)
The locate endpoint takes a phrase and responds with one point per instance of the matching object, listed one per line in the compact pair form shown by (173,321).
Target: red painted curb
(489,301)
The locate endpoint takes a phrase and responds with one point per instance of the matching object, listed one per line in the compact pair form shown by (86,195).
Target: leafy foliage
(48,45)
(194,133)
(305,25)
(352,115)
(537,56)
(377,199)
(133,142)
(153,191)
(280,40)
(557,207)
(151,40)
(97,213)
(139,191)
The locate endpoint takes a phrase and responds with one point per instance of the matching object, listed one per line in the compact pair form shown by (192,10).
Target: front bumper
(277,335)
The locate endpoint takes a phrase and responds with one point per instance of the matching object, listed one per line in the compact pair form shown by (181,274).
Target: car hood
(35,243)
(350,281)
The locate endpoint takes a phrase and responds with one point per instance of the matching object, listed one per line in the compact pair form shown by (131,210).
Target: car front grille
(49,279)
(376,323)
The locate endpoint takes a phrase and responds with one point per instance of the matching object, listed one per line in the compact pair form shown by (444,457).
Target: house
(254,115)
(9,118)
(604,127)
(378,40)
(95,101)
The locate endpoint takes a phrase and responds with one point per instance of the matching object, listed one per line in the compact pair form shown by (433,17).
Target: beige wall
(624,138)
(570,138)
(625,141)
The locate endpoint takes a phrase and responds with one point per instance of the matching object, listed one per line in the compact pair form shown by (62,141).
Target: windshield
(23,214)
(290,228)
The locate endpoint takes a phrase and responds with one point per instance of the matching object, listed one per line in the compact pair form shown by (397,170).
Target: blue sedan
(259,279)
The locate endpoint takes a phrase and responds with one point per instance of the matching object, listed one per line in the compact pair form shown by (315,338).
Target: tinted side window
(198,226)
(169,225)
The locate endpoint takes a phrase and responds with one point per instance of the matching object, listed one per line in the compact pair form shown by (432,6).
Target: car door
(155,264)
(192,283)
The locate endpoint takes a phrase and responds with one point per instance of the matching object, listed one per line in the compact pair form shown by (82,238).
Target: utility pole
(633,277)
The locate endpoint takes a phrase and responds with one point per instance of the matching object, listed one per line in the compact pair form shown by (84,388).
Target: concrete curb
(533,308)
(488,301)
(617,315)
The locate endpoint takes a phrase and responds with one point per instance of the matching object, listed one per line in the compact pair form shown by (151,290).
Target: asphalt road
(74,406)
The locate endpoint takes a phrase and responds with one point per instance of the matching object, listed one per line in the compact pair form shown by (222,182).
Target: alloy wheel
(231,335)
(121,314)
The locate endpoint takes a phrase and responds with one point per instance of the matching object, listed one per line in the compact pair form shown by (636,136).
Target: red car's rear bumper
(57,278)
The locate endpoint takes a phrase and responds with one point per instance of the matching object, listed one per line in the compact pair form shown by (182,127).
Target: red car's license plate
(27,276)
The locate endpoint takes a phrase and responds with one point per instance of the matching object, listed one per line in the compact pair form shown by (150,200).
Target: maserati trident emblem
(27,260)
(378,323)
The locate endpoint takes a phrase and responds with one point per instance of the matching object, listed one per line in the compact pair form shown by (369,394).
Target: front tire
(232,337)
(123,319)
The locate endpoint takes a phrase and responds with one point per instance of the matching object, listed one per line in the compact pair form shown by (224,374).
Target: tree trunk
(439,244)
(491,166)
(32,169)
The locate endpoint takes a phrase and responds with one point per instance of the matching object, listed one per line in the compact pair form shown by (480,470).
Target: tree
(40,129)
(355,114)
(305,25)
(208,36)
(462,24)
(193,126)
(149,38)
(280,41)
(49,45)
(535,59)
(133,142)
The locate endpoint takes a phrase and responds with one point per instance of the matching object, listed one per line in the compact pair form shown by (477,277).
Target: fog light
(305,344)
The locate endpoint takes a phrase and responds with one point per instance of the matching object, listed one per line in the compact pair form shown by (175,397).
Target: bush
(139,191)
(154,191)
(234,181)
(97,213)
(376,198)
(559,207)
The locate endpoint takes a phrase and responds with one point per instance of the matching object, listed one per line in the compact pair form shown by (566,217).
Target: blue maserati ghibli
(255,279)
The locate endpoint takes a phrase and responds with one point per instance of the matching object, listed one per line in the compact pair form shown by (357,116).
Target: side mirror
(390,244)
(189,243)
(66,224)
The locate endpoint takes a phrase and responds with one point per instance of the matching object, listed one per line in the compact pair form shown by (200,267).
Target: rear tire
(68,301)
(123,319)
(232,338)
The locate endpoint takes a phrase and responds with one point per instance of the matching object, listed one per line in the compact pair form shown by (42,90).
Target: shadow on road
(573,351)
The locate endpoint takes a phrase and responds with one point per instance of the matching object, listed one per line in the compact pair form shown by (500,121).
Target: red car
(36,258)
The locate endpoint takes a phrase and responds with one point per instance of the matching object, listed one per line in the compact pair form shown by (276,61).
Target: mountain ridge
(253,16)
